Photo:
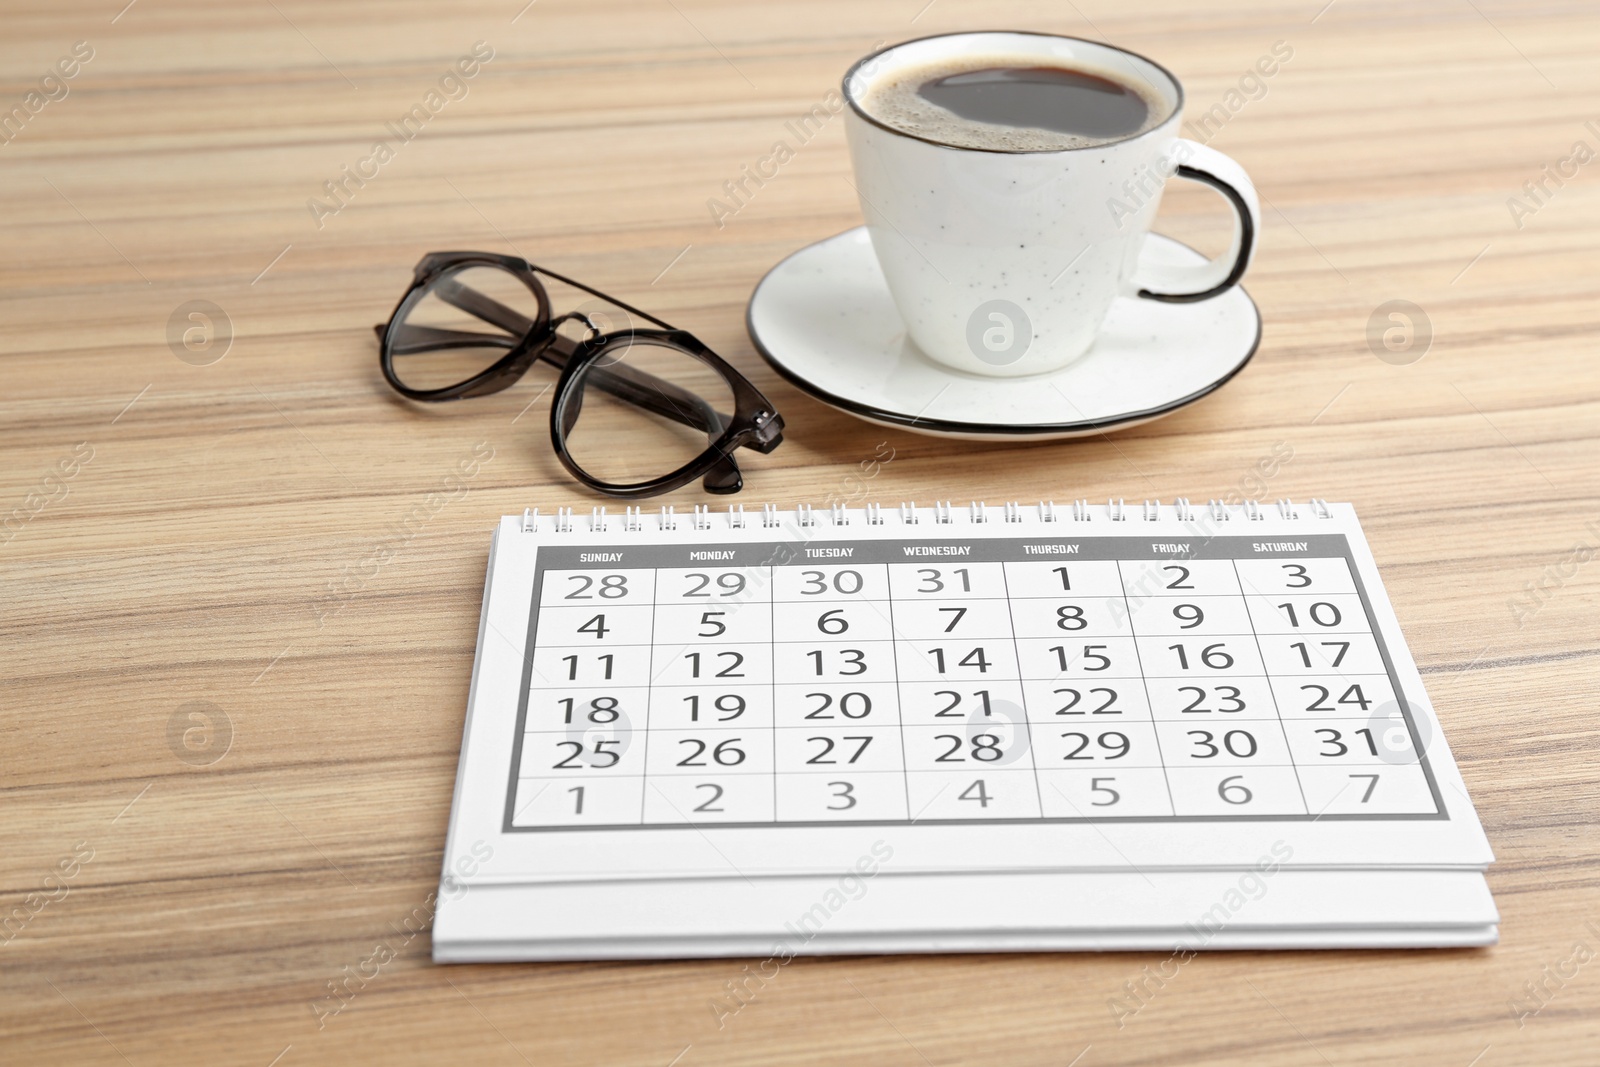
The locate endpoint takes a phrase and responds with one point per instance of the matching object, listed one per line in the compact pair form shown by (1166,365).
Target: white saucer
(825,321)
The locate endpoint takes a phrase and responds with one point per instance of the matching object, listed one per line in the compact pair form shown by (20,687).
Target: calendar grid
(649,712)
(1027,719)
(1277,709)
(1144,681)
(932,644)
(772,619)
(900,706)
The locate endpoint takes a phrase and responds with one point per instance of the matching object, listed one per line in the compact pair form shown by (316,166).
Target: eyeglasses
(636,411)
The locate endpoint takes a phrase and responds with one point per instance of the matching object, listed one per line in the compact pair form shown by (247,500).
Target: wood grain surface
(187,535)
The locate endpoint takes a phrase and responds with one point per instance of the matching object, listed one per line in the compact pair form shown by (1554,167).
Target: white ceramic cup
(1005,263)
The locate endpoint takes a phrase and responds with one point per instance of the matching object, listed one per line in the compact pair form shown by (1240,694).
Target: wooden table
(224,783)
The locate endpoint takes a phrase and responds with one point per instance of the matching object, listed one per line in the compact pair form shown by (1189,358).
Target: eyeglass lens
(459,325)
(642,410)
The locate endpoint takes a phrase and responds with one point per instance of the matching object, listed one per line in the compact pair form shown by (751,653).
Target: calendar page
(662,696)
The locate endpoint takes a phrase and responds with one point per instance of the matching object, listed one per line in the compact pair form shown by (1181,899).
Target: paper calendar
(1107,702)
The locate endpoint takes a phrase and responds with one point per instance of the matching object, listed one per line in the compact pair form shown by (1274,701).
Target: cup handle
(1188,284)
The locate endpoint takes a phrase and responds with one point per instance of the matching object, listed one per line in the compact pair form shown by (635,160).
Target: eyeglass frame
(754,423)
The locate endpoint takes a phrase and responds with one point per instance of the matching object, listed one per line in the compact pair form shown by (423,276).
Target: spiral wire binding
(944,514)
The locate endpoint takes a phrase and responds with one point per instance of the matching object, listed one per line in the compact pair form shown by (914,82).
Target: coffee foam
(894,101)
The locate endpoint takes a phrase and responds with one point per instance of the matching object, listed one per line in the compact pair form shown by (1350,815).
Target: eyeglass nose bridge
(580,316)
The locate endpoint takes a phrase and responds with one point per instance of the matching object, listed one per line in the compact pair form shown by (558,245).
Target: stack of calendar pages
(948,729)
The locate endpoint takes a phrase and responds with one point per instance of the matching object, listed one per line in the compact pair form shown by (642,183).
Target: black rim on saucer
(898,418)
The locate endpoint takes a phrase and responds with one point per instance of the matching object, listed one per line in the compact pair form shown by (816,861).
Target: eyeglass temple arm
(419,339)
(483,306)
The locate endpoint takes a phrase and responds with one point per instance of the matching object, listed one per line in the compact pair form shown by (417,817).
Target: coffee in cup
(993,104)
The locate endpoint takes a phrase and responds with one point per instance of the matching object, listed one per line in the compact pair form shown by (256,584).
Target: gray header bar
(913,550)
